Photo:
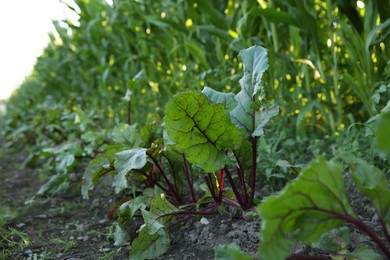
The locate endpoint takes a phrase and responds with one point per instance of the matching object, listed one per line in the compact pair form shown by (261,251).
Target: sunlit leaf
(203,132)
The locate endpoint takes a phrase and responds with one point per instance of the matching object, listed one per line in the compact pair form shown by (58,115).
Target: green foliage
(382,130)
(373,183)
(230,252)
(326,70)
(126,161)
(203,132)
(147,245)
(153,239)
(302,209)
(335,240)
(316,202)
(246,114)
(12,240)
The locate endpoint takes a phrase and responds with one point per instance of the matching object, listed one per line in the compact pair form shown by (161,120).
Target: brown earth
(68,227)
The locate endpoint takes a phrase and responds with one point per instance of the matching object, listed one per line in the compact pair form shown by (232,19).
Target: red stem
(253,171)
(173,172)
(189,181)
(174,191)
(384,229)
(240,172)
(221,183)
(241,178)
(234,188)
(359,224)
(129,112)
(152,181)
(210,186)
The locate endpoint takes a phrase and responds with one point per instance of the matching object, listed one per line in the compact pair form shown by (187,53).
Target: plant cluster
(210,135)
(146,94)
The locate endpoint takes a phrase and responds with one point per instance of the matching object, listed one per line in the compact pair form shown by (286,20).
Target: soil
(67,227)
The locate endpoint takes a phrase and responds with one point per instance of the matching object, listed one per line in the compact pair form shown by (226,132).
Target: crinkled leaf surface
(248,113)
(373,183)
(203,132)
(126,161)
(216,97)
(303,210)
(128,134)
(99,166)
(147,246)
(154,218)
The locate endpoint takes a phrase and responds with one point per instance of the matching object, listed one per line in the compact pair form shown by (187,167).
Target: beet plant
(316,203)
(206,136)
(219,132)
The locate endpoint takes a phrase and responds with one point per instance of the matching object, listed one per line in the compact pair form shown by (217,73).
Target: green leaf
(335,240)
(147,246)
(382,130)
(126,161)
(82,118)
(363,252)
(127,134)
(274,16)
(128,95)
(129,208)
(65,162)
(216,97)
(55,184)
(304,210)
(155,219)
(98,167)
(197,52)
(245,114)
(373,183)
(230,252)
(121,236)
(203,132)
